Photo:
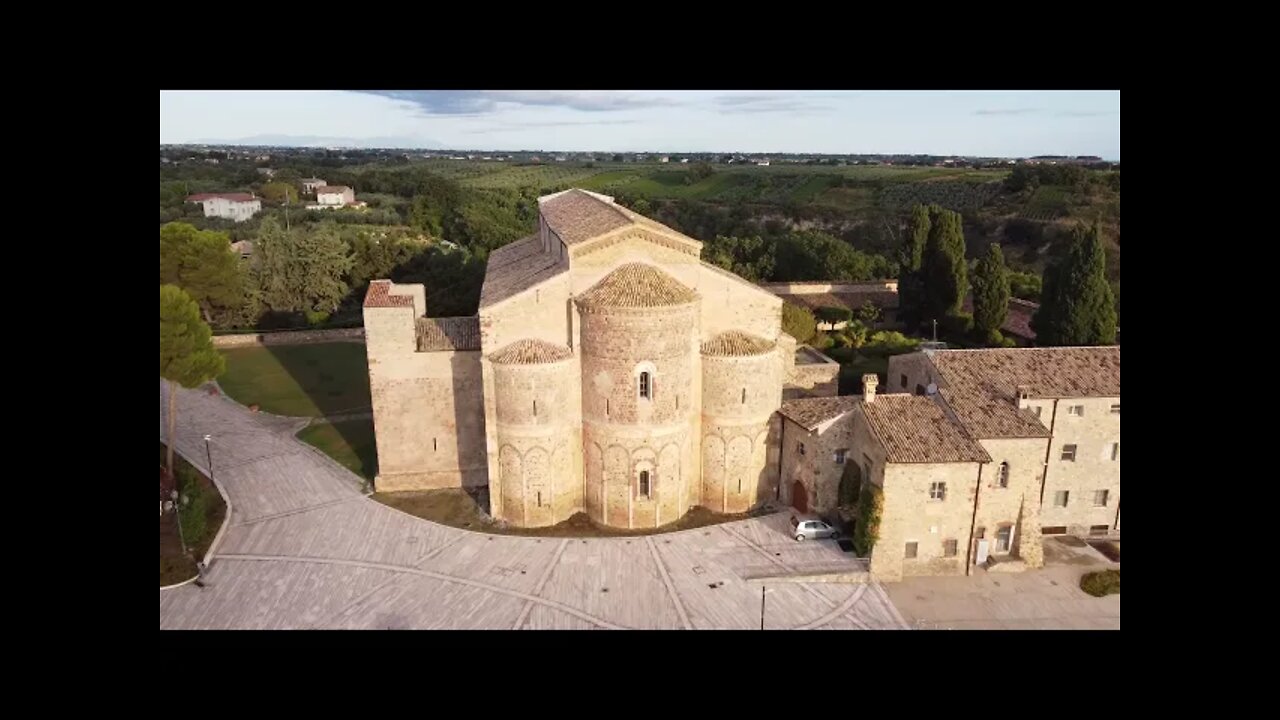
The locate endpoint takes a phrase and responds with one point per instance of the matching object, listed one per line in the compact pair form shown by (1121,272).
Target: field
(318,380)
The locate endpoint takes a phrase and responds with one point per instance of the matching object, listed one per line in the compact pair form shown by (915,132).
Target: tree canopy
(990,295)
(302,269)
(945,273)
(1077,306)
(201,263)
(187,355)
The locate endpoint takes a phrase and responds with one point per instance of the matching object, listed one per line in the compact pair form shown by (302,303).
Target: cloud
(1007,111)
(501,127)
(277,140)
(1087,113)
(768,103)
(482,102)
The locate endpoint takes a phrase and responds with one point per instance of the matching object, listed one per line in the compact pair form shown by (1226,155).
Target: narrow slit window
(646,386)
(539,499)
(434,446)
(644,483)
(744,396)
(535,408)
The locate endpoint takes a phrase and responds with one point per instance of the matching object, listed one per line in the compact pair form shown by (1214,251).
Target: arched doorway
(800,497)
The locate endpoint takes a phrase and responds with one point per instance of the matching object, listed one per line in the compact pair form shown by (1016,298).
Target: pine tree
(303,269)
(187,356)
(946,280)
(990,295)
(1077,306)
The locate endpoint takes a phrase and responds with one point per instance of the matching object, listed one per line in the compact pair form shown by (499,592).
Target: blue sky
(995,123)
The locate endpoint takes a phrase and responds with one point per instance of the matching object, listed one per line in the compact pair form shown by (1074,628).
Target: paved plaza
(306,549)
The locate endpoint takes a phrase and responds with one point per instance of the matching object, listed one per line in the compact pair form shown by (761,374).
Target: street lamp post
(177,509)
(762,592)
(209,455)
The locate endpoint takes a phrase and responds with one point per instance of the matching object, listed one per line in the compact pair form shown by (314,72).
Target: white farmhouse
(232,206)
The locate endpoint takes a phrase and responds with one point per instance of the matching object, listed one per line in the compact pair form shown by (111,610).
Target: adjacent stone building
(979,454)
(609,371)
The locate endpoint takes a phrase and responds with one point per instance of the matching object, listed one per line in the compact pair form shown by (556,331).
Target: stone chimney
(869,382)
(1024,392)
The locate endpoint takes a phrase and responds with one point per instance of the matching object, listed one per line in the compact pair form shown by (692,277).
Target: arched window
(646,386)
(644,482)
(1002,476)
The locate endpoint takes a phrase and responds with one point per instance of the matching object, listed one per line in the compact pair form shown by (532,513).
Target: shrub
(316,317)
(869,314)
(886,343)
(834,315)
(842,355)
(1101,583)
(994,338)
(870,506)
(821,341)
(798,322)
(850,483)
(855,334)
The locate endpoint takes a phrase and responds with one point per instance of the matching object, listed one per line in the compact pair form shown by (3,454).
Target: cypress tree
(1077,306)
(990,295)
(945,273)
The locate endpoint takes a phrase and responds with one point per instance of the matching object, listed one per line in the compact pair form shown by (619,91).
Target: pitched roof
(916,429)
(379,295)
(1018,321)
(331,189)
(881,298)
(637,285)
(981,386)
(446,334)
(516,267)
(531,352)
(809,413)
(233,197)
(736,343)
(577,216)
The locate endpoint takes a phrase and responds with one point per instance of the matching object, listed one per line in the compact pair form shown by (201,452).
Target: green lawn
(350,442)
(299,380)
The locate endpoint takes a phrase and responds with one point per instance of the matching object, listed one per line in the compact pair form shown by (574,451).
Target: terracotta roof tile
(916,429)
(577,216)
(331,189)
(809,413)
(516,267)
(637,285)
(981,386)
(736,343)
(1018,322)
(448,334)
(233,197)
(884,299)
(531,352)
(379,295)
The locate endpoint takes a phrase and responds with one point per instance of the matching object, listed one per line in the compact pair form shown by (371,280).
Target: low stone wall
(289,337)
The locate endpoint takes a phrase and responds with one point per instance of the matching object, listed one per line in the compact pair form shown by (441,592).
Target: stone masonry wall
(739,398)
(290,337)
(911,515)
(1093,469)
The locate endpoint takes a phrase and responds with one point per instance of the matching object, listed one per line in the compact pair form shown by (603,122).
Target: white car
(812,529)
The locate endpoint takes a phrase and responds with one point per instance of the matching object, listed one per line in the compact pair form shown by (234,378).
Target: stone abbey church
(610,371)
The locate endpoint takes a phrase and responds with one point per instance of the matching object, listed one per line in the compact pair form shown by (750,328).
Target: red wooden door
(799,497)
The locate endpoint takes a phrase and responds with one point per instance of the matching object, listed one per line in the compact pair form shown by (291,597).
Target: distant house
(232,206)
(243,248)
(664,159)
(309,185)
(329,197)
(762,163)
(269,172)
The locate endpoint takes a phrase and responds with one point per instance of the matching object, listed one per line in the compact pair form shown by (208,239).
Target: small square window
(840,456)
(1061,497)
(1069,453)
(1037,410)
(800,448)
(1100,498)
(911,550)
(938,491)
(950,548)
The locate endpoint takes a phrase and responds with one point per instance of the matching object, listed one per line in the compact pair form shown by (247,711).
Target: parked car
(806,529)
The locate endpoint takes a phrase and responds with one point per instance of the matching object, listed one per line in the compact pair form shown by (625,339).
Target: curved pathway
(304,548)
